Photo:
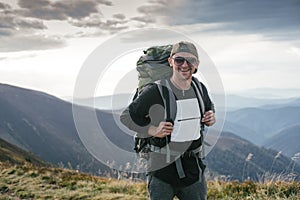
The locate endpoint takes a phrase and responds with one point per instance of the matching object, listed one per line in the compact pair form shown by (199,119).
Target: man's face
(184,64)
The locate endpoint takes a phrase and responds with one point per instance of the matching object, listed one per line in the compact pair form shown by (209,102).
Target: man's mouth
(184,70)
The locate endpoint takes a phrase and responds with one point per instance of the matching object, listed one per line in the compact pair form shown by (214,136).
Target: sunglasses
(191,61)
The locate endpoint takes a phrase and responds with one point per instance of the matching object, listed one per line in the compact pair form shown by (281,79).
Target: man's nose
(185,63)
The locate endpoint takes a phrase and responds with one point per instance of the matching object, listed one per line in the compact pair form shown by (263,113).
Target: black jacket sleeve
(146,110)
(207,101)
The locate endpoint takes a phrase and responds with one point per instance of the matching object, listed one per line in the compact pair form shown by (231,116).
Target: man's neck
(181,83)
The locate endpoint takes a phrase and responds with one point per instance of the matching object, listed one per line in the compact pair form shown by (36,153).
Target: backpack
(153,68)
(153,65)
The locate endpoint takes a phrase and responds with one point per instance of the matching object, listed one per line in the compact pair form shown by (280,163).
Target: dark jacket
(148,109)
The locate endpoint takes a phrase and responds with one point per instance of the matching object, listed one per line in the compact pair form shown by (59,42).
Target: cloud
(29,42)
(18,33)
(119,16)
(147,19)
(12,22)
(116,24)
(275,19)
(24,27)
(60,10)
(153,12)
(82,14)
(4,6)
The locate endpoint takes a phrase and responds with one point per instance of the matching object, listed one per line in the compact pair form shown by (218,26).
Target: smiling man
(175,166)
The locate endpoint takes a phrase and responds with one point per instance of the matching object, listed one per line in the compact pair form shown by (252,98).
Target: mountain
(238,159)
(43,124)
(15,155)
(274,93)
(262,123)
(110,102)
(287,141)
(235,102)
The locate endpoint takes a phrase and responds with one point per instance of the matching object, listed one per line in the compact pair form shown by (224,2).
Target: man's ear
(195,71)
(170,62)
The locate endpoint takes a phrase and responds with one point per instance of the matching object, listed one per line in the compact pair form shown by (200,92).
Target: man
(179,139)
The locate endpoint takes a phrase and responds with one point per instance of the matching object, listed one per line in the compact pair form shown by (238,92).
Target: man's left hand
(209,118)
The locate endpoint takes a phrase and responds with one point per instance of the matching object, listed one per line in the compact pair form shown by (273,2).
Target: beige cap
(184,46)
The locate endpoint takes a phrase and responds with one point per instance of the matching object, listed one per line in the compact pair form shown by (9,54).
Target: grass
(32,182)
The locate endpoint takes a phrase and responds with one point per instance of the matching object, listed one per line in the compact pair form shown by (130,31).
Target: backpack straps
(170,110)
(168,98)
(170,113)
(199,92)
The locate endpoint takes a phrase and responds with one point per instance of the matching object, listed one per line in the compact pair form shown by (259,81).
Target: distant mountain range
(262,123)
(255,119)
(287,141)
(44,125)
(233,102)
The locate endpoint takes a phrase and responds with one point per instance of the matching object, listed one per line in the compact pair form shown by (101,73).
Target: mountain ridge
(44,125)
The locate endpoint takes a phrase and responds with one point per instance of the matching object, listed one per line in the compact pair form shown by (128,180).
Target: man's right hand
(162,130)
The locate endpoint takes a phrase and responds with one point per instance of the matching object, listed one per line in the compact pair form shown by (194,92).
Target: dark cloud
(104,25)
(240,15)
(150,13)
(79,13)
(23,28)
(161,2)
(60,10)
(119,16)
(11,24)
(4,6)
(18,33)
(275,19)
(147,19)
(269,13)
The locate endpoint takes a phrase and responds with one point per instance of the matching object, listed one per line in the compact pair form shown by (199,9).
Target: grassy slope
(15,155)
(31,182)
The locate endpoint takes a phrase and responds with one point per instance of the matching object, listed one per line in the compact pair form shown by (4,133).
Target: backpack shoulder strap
(168,98)
(199,93)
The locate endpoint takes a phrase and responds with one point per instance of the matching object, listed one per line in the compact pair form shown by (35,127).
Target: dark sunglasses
(191,61)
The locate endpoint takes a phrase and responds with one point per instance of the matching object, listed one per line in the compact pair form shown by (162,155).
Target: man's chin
(186,75)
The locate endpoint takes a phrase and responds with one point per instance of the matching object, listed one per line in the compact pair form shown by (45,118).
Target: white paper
(187,121)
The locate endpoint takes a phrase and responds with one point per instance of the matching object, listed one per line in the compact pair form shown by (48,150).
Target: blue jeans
(160,190)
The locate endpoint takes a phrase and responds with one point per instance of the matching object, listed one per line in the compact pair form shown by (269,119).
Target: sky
(254,45)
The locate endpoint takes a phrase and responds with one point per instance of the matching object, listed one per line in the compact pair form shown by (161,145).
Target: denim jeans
(160,190)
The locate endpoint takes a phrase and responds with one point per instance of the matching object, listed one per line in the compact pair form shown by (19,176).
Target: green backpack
(153,65)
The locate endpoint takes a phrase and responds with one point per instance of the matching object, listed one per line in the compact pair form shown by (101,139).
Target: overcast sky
(253,44)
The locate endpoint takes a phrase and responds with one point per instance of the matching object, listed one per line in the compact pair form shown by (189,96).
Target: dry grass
(32,182)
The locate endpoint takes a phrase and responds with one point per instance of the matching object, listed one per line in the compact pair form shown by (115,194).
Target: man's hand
(209,118)
(163,129)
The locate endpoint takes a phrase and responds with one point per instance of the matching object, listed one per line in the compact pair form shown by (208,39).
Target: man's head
(184,58)
(184,46)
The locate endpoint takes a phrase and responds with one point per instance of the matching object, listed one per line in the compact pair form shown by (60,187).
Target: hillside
(235,102)
(263,122)
(14,155)
(241,160)
(286,140)
(44,125)
(32,182)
